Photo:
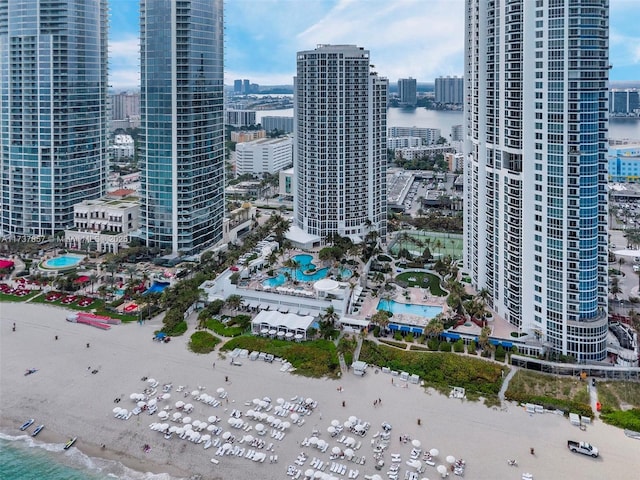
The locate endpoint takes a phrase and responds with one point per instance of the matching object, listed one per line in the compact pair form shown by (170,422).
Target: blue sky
(422,39)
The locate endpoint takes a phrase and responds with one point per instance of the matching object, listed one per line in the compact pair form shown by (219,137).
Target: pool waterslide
(93,323)
(86,319)
(99,318)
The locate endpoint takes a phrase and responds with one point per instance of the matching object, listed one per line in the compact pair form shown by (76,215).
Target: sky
(423,39)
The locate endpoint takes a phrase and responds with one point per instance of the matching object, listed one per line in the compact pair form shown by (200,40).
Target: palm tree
(93,278)
(435,327)
(234,302)
(381,318)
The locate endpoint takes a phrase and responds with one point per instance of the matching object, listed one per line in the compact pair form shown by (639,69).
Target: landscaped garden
(316,358)
(422,280)
(568,394)
(440,370)
(203,342)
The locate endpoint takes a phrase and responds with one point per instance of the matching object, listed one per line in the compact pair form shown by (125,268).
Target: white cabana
(281,324)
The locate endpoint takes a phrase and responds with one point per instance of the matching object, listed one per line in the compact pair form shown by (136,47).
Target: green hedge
(552,403)
(629,419)
(203,342)
(317,358)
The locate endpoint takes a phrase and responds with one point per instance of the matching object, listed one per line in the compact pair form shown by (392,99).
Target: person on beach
(14,326)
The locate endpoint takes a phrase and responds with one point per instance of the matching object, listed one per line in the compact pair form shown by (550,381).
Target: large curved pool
(427,311)
(62,261)
(306,264)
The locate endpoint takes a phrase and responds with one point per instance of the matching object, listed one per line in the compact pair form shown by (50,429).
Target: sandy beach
(72,401)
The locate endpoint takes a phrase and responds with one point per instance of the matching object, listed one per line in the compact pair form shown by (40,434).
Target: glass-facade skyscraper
(53,111)
(340,150)
(536,121)
(182,124)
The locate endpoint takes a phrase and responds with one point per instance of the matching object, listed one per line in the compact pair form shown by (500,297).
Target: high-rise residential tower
(182,189)
(53,111)
(535,166)
(449,90)
(408,91)
(340,139)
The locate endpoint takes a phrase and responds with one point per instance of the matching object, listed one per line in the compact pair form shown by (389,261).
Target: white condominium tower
(536,119)
(340,149)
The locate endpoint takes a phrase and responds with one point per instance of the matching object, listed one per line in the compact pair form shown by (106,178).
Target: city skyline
(262,37)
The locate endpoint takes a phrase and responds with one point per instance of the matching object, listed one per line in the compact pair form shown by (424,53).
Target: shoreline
(71,401)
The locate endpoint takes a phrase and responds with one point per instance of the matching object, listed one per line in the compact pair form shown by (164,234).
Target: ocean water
(23,458)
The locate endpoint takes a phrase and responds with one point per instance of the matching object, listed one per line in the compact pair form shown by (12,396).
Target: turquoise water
(305,263)
(63,261)
(22,458)
(157,287)
(392,306)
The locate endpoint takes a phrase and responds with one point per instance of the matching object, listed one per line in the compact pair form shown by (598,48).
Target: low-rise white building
(123,147)
(414,153)
(266,155)
(103,225)
(403,142)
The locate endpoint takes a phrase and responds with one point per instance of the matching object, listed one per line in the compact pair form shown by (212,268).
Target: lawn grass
(221,329)
(315,358)
(620,404)
(4,297)
(99,307)
(423,280)
(568,394)
(439,370)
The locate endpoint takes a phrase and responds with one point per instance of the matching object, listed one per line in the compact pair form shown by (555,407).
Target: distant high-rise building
(240,118)
(246,87)
(449,90)
(340,135)
(457,133)
(53,111)
(237,86)
(182,141)
(624,102)
(408,91)
(125,105)
(283,124)
(536,169)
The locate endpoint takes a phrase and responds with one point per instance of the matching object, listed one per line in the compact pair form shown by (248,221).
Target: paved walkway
(505,383)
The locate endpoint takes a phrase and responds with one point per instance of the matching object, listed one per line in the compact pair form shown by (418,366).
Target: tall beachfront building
(408,91)
(536,119)
(340,143)
(53,112)
(182,115)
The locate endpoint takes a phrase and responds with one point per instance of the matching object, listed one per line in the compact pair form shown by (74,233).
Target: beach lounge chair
(215,461)
(358,445)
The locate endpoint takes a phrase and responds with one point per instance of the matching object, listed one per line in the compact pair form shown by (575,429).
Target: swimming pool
(427,311)
(305,264)
(156,287)
(63,261)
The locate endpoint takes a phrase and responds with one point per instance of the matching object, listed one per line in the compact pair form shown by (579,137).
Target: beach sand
(71,401)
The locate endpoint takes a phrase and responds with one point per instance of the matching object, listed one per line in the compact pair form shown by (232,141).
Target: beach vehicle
(70,443)
(26,424)
(37,430)
(583,447)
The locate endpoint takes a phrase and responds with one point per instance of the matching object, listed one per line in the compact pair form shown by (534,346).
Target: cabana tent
(281,324)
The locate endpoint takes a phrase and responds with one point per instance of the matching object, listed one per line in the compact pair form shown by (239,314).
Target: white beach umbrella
(417,464)
(165,427)
(205,437)
(270,419)
(186,420)
(266,399)
(263,415)
(416,443)
(188,406)
(313,441)
(434,452)
(211,428)
(256,401)
(117,409)
(226,447)
(179,404)
(166,396)
(376,477)
(226,435)
(162,414)
(348,453)
(321,443)
(212,419)
(177,415)
(172,429)
(451,459)
(179,431)
(203,425)
(187,426)
(350,441)
(196,424)
(151,380)
(220,390)
(347,424)
(295,417)
(336,450)
(279,400)
(231,421)
(152,402)
(442,470)
(353,419)
(309,401)
(318,474)
(277,422)
(259,427)
(286,425)
(263,404)
(335,423)
(133,396)
(195,393)
(124,411)
(309,473)
(331,429)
